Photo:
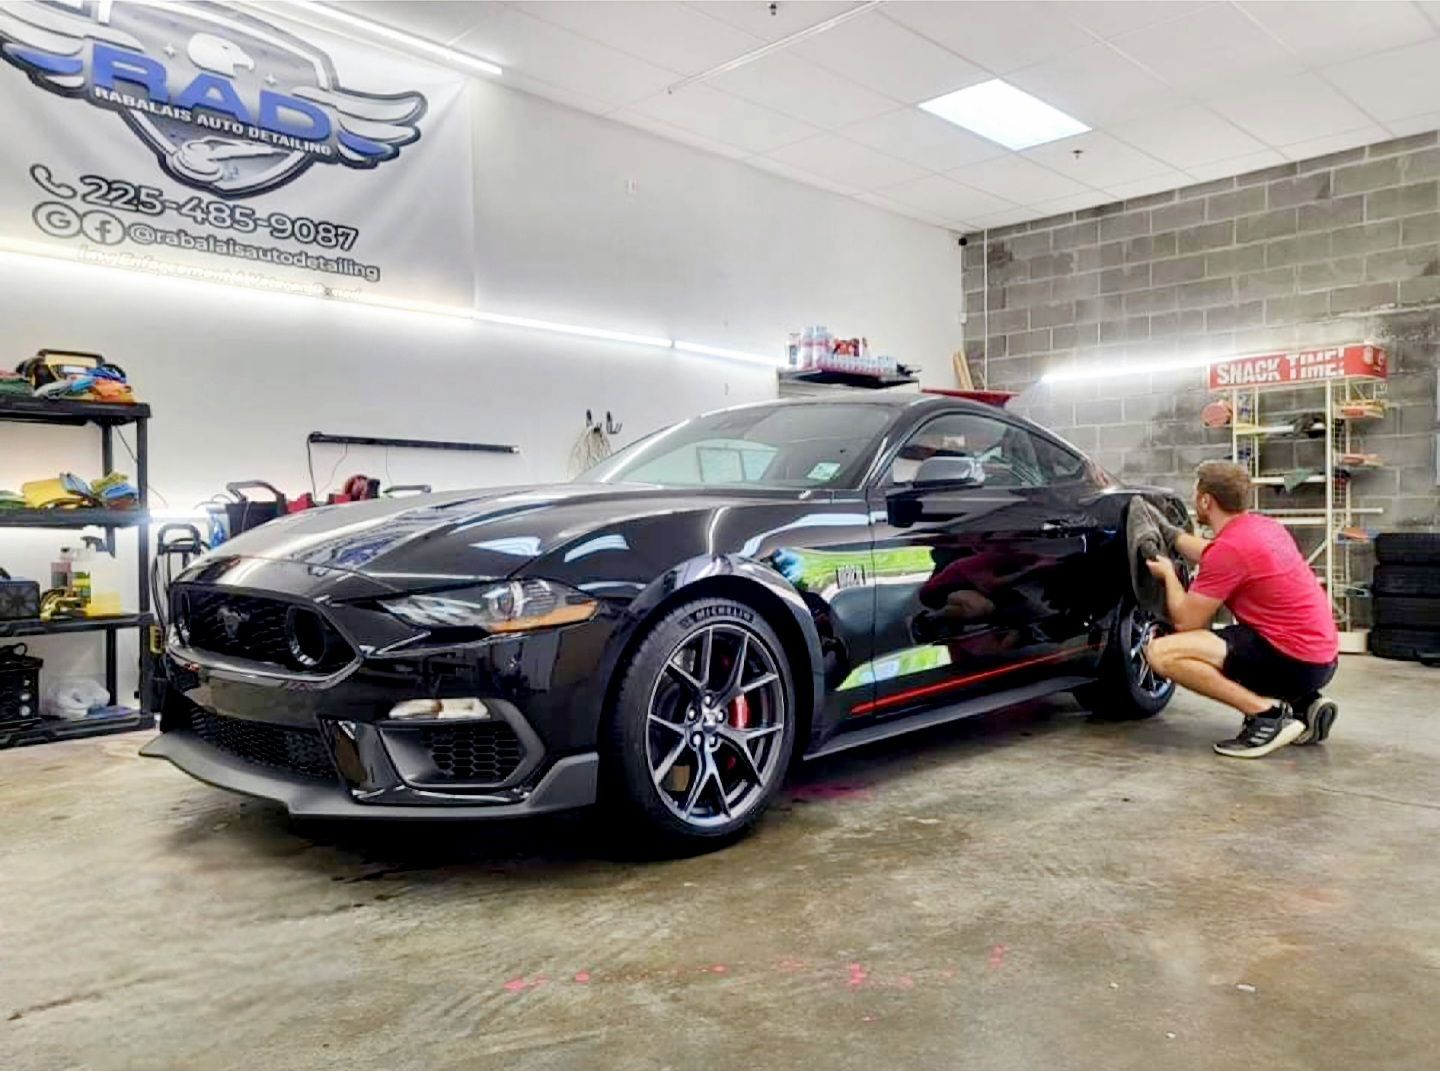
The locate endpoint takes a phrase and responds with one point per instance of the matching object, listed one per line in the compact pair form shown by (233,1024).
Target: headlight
(511,606)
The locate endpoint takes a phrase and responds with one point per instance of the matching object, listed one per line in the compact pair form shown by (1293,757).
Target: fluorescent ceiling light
(998,111)
(333,13)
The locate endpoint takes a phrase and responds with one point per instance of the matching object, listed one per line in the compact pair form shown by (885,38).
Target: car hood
(451,538)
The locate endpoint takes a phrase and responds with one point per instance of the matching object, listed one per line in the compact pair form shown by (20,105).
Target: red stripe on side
(900,698)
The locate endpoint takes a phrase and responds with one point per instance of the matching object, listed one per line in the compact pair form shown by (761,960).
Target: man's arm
(1188,546)
(1187,610)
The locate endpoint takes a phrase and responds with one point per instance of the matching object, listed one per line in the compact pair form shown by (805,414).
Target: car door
(975,556)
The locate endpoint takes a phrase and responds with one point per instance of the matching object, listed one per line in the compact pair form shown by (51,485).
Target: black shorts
(1251,660)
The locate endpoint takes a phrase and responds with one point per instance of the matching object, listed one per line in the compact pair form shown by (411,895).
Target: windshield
(774,446)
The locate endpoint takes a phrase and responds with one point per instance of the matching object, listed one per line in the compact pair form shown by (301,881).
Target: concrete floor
(1026,891)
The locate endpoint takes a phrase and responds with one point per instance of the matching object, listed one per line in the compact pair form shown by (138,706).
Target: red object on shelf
(997,398)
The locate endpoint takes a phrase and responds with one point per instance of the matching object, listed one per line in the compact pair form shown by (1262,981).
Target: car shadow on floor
(364,851)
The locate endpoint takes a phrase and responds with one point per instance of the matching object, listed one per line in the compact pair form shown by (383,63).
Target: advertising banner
(1301,366)
(198,140)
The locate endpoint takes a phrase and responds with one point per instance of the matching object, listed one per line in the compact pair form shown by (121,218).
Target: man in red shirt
(1271,665)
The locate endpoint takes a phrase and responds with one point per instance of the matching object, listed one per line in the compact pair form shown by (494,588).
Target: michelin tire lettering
(229,104)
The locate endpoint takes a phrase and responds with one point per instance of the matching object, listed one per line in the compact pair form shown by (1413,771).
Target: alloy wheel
(715,725)
(1141,628)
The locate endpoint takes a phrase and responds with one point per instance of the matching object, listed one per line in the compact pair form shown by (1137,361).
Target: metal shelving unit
(1346,401)
(107,417)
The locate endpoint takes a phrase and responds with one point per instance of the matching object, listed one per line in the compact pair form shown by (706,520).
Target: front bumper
(569,783)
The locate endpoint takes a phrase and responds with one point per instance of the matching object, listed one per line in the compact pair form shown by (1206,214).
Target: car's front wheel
(703,725)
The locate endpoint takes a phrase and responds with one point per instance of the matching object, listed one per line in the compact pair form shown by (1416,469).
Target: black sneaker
(1319,716)
(1263,734)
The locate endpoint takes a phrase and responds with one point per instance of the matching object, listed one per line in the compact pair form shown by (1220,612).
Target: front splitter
(570,783)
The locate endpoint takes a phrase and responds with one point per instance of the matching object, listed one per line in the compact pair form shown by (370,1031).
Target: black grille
(299,751)
(487,753)
(257,629)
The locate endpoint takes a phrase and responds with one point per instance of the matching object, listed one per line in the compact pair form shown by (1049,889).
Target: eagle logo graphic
(229,104)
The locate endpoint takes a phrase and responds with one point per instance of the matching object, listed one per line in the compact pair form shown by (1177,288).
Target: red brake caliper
(740,713)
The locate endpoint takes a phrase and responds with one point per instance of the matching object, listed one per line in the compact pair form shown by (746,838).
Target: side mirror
(950,471)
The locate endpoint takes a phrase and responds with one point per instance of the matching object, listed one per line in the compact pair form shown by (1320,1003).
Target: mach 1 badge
(228,104)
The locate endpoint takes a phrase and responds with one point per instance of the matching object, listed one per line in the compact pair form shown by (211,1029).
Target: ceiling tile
(1096,85)
(1415,124)
(797,87)
(1017,179)
(847,162)
(1323,31)
(1068,204)
(1395,84)
(945,198)
(675,36)
(1166,180)
(878,201)
(1201,50)
(1187,136)
(541,50)
(797,174)
(1103,160)
(578,101)
(434,20)
(922,139)
(890,59)
(719,116)
(755,16)
(1236,165)
(999,37)
(1291,108)
(649,123)
(1350,139)
(1106,18)
(1007,216)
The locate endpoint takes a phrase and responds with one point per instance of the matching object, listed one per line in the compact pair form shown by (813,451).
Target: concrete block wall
(1340,248)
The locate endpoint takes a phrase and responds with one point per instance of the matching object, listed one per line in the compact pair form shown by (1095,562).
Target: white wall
(705,249)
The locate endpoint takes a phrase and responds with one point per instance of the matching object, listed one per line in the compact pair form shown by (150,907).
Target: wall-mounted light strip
(329,16)
(1072,373)
(20,253)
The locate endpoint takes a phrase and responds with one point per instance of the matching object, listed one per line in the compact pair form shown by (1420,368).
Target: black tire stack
(1406,597)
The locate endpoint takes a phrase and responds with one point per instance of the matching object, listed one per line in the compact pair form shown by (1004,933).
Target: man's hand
(1161,567)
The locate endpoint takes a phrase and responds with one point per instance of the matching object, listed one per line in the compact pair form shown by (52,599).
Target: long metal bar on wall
(412,444)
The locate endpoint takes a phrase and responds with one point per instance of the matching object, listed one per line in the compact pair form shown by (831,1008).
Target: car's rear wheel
(1128,689)
(703,725)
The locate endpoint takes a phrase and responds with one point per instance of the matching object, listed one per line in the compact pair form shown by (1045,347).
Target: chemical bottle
(62,570)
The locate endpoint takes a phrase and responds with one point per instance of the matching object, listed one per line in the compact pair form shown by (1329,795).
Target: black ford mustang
(666,633)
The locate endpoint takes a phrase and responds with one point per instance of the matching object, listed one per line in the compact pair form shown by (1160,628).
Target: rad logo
(228,103)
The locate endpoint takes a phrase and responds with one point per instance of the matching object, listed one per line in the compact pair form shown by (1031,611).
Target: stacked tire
(1405,595)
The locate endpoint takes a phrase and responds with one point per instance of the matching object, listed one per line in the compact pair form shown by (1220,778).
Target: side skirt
(980,704)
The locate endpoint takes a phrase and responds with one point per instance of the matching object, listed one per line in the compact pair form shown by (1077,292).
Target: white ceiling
(1177,92)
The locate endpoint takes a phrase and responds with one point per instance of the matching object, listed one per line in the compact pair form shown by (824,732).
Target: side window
(1006,453)
(1056,463)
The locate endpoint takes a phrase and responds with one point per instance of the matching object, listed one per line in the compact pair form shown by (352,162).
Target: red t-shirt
(1255,568)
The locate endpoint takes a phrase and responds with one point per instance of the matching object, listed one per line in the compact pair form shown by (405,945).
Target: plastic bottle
(62,570)
(792,350)
(80,575)
(822,346)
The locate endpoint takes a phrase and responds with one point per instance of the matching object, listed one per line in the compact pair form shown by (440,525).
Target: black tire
(1406,612)
(1405,644)
(1408,548)
(1405,580)
(1124,691)
(630,786)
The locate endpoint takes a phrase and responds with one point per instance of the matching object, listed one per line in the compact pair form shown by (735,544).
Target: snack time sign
(1300,366)
(194,139)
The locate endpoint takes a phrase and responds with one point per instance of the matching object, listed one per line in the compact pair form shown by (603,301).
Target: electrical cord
(151,488)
